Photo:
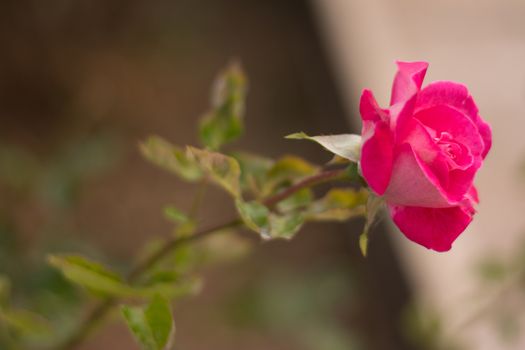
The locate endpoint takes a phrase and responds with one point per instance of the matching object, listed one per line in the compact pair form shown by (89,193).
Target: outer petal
(472,195)
(377,155)
(378,144)
(455,95)
(369,109)
(408,80)
(414,182)
(434,228)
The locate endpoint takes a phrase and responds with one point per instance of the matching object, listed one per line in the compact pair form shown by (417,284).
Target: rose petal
(433,228)
(416,134)
(414,183)
(377,155)
(369,109)
(408,80)
(460,181)
(473,194)
(443,118)
(455,95)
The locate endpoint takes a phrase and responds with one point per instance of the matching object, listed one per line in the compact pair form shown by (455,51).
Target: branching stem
(101,310)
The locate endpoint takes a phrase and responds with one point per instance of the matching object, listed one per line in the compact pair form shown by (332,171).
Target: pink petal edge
(408,80)
(433,228)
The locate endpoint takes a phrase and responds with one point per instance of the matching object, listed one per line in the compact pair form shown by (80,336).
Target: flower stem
(100,311)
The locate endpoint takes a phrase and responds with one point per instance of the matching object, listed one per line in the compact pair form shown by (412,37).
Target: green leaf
(224,122)
(31,325)
(222,169)
(254,214)
(175,215)
(89,274)
(285,226)
(137,324)
(286,170)
(169,157)
(338,205)
(172,289)
(257,217)
(223,247)
(98,279)
(152,326)
(344,145)
(253,171)
(299,200)
(159,317)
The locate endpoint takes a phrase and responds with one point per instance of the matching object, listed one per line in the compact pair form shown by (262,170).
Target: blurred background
(81,83)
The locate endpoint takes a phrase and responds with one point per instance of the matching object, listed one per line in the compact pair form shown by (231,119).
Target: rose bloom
(421,155)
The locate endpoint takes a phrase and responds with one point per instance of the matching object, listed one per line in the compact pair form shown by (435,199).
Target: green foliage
(29,325)
(253,171)
(175,215)
(300,200)
(89,274)
(285,226)
(19,326)
(101,281)
(224,122)
(221,169)
(184,225)
(18,169)
(298,304)
(423,328)
(338,205)
(254,214)
(285,171)
(169,157)
(152,326)
(347,146)
(258,217)
(224,247)
(168,274)
(373,205)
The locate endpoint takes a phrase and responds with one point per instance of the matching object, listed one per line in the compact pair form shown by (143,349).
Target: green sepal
(344,145)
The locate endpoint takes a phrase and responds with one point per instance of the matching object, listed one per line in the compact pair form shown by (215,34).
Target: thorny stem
(100,311)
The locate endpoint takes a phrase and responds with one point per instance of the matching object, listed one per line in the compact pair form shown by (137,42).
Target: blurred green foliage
(152,325)
(300,305)
(224,122)
(52,182)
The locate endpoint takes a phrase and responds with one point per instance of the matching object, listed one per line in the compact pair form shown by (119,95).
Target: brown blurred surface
(129,69)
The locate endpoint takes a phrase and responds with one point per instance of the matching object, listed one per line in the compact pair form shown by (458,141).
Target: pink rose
(422,153)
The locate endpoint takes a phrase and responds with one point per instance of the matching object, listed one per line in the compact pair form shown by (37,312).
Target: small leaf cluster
(249,178)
